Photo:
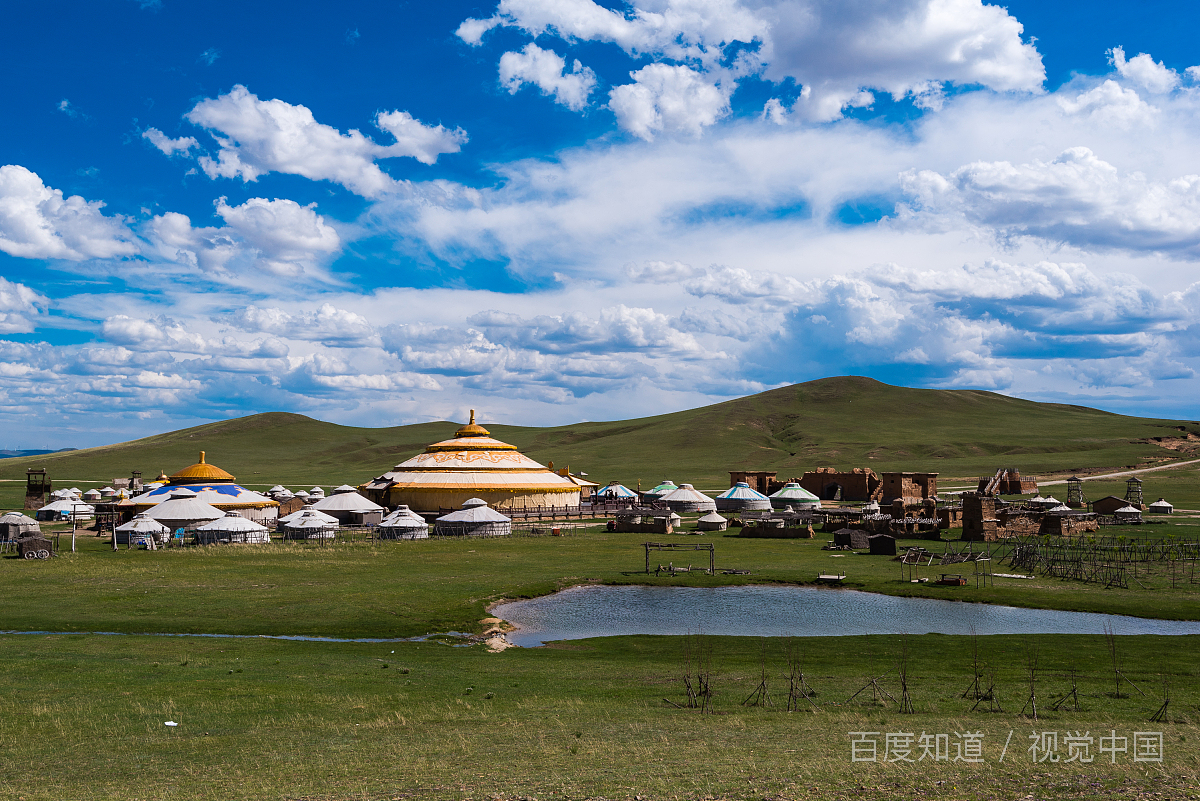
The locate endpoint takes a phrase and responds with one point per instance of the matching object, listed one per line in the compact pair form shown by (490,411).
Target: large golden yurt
(471,465)
(213,486)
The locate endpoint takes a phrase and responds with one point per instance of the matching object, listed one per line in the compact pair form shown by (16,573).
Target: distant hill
(9,454)
(841,422)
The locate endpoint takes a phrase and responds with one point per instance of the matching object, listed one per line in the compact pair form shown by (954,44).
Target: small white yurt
(93,496)
(317,493)
(232,528)
(142,527)
(688,499)
(1161,507)
(740,496)
(474,519)
(712,522)
(108,494)
(302,495)
(349,507)
(183,509)
(668,486)
(276,490)
(14,526)
(795,496)
(1128,514)
(403,524)
(310,524)
(65,509)
(1062,507)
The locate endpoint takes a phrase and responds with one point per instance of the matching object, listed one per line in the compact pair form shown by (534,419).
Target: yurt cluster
(473,485)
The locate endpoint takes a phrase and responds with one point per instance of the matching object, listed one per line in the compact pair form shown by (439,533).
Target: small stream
(603,611)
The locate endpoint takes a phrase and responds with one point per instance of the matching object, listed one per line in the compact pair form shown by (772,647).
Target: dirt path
(1123,473)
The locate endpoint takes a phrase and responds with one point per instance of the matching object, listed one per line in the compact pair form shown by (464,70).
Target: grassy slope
(843,422)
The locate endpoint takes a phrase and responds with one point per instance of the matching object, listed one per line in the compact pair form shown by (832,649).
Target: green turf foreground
(82,717)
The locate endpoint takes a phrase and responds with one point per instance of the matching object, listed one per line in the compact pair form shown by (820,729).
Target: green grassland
(83,719)
(841,422)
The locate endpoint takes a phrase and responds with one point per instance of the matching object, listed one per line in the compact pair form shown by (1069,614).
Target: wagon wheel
(30,555)
(43,554)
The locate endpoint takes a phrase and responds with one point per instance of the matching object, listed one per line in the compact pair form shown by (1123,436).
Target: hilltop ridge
(843,422)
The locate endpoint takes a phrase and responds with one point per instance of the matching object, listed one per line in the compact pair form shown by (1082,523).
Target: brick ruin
(912,488)
(982,521)
(829,483)
(1008,481)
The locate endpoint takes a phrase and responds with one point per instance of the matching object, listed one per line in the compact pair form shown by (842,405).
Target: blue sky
(556,210)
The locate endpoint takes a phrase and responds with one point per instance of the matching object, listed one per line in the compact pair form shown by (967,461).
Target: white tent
(1128,514)
(1161,507)
(688,499)
(795,496)
(740,496)
(615,490)
(712,522)
(143,527)
(475,519)
(349,507)
(183,510)
(15,525)
(309,524)
(403,524)
(65,510)
(232,528)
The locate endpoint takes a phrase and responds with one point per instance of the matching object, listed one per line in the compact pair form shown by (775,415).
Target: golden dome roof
(163,477)
(471,429)
(200,471)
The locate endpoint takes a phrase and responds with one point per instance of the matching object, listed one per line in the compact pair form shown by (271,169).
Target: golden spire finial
(472,418)
(201,457)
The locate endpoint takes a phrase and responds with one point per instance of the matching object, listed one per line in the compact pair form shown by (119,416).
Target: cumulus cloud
(278,236)
(168,145)
(1076,198)
(256,137)
(20,307)
(1153,76)
(667,98)
(328,324)
(163,335)
(838,51)
(1110,102)
(37,222)
(546,70)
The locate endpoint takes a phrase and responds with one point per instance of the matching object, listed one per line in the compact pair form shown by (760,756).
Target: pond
(602,611)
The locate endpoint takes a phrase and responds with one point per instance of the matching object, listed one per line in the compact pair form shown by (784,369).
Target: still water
(600,611)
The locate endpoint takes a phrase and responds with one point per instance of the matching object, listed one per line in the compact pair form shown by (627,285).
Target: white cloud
(37,222)
(278,236)
(667,98)
(1076,198)
(20,307)
(1154,76)
(168,145)
(261,136)
(1110,102)
(547,70)
(328,324)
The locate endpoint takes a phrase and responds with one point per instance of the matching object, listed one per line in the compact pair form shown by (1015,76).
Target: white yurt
(309,512)
(741,496)
(276,490)
(1062,507)
(15,525)
(232,528)
(668,486)
(66,509)
(688,499)
(1128,514)
(142,526)
(92,496)
(1161,507)
(316,493)
(403,524)
(795,496)
(302,495)
(349,507)
(614,492)
(108,494)
(183,509)
(309,524)
(475,519)
(712,522)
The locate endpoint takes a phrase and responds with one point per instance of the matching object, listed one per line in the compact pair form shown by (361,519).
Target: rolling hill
(841,422)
